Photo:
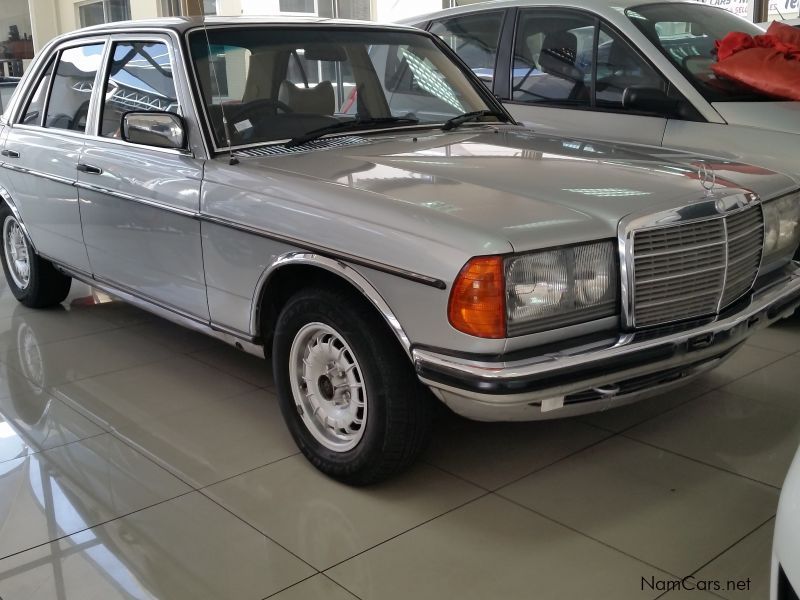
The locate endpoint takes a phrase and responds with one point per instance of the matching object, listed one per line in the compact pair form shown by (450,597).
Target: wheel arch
(6,198)
(291,272)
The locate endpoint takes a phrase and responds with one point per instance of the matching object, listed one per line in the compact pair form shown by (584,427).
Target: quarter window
(474,38)
(140,79)
(68,107)
(35,109)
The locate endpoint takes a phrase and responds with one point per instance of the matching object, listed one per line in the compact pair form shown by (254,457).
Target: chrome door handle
(92,170)
(10,153)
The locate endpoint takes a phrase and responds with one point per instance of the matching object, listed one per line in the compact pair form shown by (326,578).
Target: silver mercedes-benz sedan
(352,201)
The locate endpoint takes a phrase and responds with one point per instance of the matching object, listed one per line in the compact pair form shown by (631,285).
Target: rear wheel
(347,391)
(34,281)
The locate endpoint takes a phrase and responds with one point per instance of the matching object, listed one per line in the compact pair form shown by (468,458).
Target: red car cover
(769,63)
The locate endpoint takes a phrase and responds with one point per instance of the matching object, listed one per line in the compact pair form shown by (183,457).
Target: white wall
(786,9)
(392,10)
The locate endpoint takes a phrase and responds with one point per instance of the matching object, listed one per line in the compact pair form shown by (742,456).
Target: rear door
(42,147)
(475,37)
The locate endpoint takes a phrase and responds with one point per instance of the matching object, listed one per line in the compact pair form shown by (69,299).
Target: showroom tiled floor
(141,460)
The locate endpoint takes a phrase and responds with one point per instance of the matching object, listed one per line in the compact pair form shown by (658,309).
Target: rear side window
(141,80)
(35,109)
(71,93)
(475,38)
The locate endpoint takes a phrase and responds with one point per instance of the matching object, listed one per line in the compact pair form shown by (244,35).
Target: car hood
(509,183)
(774,116)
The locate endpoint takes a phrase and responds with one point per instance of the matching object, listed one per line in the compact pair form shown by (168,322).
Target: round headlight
(591,291)
(772,231)
(592,275)
(538,283)
(560,287)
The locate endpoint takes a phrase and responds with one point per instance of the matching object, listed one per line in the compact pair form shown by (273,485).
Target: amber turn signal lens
(477,301)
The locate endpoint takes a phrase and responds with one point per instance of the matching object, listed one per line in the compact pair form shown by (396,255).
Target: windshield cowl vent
(323,144)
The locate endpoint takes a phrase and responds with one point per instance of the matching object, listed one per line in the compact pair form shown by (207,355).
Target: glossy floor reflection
(142,460)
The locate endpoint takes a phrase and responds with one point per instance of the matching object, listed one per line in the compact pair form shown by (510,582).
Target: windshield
(685,34)
(277,84)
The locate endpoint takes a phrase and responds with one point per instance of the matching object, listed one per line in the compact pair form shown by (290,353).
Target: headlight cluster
(497,296)
(560,287)
(781,228)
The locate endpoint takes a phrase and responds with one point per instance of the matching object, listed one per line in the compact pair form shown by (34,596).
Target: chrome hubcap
(16,251)
(30,357)
(328,387)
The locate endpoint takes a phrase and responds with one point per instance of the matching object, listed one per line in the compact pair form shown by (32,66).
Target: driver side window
(140,79)
(553,58)
(619,67)
(68,107)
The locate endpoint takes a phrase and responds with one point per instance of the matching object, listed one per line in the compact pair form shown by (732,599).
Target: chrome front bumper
(596,375)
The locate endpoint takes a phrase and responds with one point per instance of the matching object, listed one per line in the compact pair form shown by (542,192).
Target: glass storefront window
(173,8)
(16,42)
(103,11)
(298,6)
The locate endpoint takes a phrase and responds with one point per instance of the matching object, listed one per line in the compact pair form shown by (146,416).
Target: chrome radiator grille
(696,268)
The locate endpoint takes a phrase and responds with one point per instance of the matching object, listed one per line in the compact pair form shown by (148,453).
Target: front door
(140,203)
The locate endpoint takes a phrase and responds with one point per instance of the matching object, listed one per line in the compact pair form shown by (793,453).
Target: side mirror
(159,129)
(649,100)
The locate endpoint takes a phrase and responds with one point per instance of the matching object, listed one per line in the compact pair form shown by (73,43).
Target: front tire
(34,281)
(347,391)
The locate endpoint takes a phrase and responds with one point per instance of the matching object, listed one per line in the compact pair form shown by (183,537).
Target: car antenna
(232,160)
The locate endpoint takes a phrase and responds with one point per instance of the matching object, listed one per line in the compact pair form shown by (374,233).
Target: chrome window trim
(177,57)
(118,38)
(87,138)
(98,93)
(714,205)
(56,48)
(46,101)
(94,132)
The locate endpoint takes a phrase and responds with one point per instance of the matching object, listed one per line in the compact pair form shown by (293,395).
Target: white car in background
(630,70)
(786,548)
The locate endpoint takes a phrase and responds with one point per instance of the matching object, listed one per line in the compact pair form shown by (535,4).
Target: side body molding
(339,268)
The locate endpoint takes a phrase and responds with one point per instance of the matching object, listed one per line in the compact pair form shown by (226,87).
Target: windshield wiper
(472,116)
(347,126)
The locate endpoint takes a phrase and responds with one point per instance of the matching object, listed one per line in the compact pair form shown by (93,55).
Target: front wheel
(33,280)
(347,392)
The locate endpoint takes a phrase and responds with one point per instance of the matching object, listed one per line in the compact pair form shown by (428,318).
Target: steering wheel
(245,110)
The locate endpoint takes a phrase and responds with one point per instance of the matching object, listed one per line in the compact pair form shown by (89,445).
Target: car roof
(183,24)
(600,6)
